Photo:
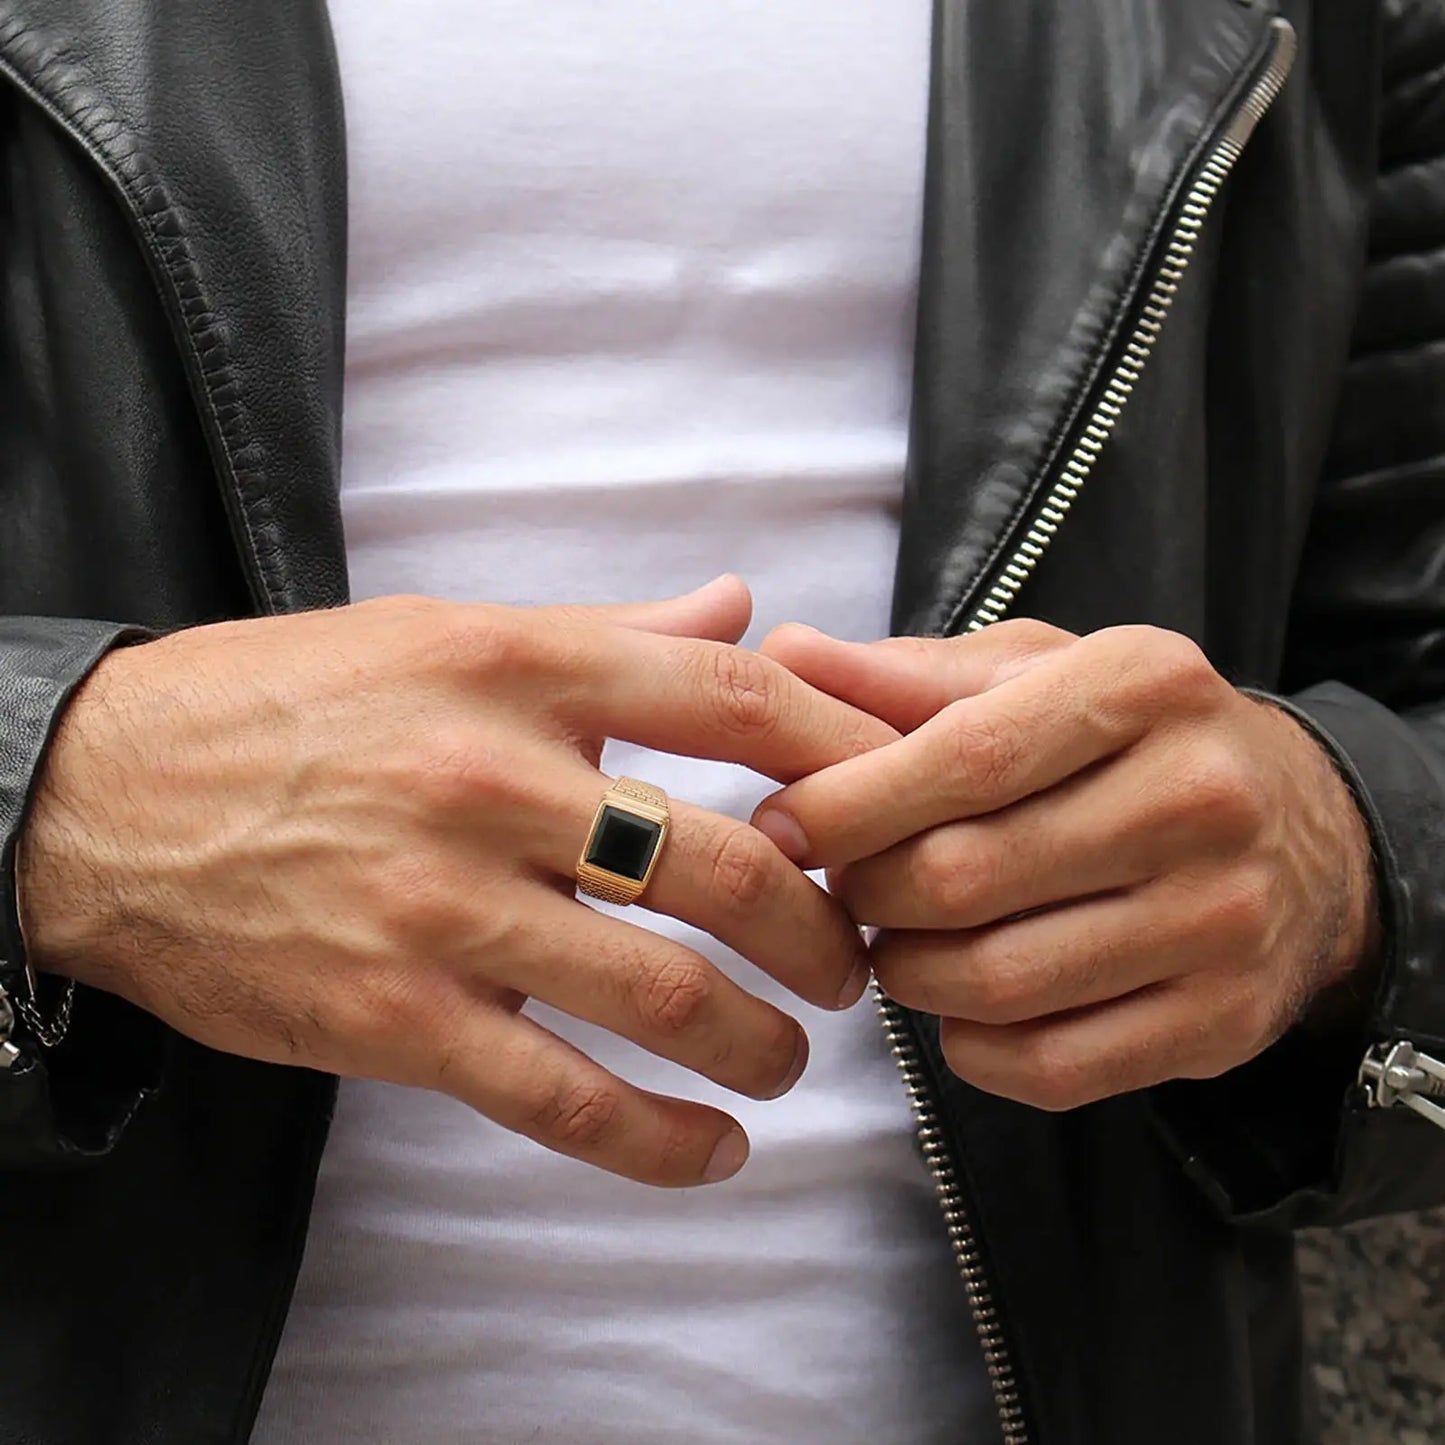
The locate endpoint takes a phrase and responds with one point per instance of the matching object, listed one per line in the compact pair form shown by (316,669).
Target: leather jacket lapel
(1035,236)
(1044,224)
(218,128)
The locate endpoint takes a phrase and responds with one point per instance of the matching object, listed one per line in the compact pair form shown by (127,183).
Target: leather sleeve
(70,1102)
(1288,1137)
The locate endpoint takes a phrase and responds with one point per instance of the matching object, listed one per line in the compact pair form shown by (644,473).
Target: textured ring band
(624,842)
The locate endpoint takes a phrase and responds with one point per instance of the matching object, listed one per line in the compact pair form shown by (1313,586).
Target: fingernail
(782,828)
(800,1062)
(729,1156)
(857,983)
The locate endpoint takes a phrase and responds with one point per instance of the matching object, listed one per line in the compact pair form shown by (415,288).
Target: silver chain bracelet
(47,1032)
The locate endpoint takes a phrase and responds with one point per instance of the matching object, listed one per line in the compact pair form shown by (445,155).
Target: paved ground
(1375,1301)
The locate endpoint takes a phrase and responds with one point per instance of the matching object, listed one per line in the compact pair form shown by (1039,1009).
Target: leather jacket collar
(255,292)
(244,234)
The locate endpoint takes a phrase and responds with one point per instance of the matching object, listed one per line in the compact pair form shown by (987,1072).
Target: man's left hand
(1095,860)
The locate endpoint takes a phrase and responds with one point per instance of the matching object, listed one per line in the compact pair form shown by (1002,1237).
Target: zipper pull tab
(1399,1074)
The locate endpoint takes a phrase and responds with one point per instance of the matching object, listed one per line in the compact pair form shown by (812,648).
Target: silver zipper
(1188,224)
(1178,253)
(1398,1075)
(956,1219)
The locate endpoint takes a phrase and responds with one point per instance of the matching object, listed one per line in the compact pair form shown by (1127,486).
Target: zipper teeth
(961,1236)
(1183,239)
(1177,256)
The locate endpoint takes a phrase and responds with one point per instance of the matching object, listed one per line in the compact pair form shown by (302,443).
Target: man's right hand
(346,839)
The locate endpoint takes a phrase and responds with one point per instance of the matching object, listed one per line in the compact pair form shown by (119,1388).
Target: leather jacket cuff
(71,1101)
(1291,1137)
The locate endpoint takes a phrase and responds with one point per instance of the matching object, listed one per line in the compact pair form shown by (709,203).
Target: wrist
(1352,944)
(1343,961)
(58,896)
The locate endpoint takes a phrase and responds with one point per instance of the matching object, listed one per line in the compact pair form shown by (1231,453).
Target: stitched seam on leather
(1426,466)
(122,161)
(1423,347)
(1433,251)
(1425,79)
(1093,371)
(1399,165)
(1413,252)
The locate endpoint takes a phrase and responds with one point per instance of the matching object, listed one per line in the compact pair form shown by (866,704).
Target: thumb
(718,611)
(904,681)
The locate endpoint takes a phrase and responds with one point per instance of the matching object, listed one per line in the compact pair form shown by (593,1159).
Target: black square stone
(623,843)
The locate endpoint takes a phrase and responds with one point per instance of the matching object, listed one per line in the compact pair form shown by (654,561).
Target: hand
(1100,864)
(346,839)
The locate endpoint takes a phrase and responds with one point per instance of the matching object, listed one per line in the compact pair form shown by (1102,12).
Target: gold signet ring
(624,842)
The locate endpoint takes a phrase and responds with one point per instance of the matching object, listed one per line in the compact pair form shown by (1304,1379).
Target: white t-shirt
(631,303)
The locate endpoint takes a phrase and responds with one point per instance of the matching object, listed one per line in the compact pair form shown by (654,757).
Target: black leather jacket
(1263,468)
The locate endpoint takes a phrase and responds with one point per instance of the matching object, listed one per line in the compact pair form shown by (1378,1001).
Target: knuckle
(1179,671)
(1252,1023)
(675,1156)
(404,607)
(1241,908)
(1154,674)
(1029,635)
(493,641)
(1055,1079)
(453,767)
(742,868)
(951,879)
(986,749)
(496,642)
(576,1116)
(1002,990)
(934,874)
(446,635)
(412,905)
(1231,1029)
(859,734)
(1210,1066)
(1221,787)
(743,689)
(674,998)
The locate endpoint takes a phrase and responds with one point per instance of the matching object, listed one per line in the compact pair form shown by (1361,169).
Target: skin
(346,839)
(1099,863)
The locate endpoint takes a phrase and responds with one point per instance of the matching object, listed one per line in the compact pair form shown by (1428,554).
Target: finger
(528,1080)
(1167,1032)
(719,610)
(725,878)
(659,995)
(906,680)
(729,880)
(1067,958)
(1107,829)
(977,756)
(708,700)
